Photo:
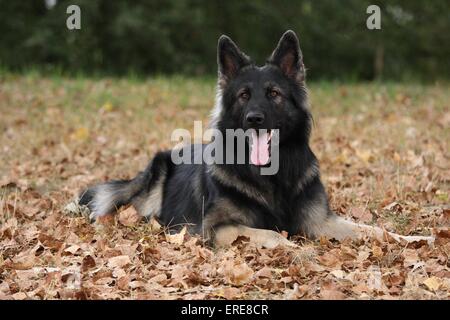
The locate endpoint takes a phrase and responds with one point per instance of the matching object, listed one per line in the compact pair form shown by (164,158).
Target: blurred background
(145,38)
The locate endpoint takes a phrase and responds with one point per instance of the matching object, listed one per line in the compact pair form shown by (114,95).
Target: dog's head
(269,97)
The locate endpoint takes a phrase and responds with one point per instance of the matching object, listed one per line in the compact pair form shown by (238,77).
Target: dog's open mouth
(260,147)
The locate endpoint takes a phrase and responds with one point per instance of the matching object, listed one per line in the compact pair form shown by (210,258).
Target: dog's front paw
(270,239)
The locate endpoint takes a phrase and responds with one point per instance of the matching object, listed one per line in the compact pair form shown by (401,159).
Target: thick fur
(222,201)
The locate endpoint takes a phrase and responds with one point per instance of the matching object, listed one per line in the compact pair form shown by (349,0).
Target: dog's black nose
(253,118)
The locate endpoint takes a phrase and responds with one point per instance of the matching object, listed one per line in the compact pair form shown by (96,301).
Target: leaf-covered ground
(384,153)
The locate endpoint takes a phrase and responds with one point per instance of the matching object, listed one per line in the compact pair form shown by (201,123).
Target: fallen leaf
(433,283)
(393,206)
(361,214)
(107,107)
(26,278)
(80,134)
(230,293)
(297,292)
(123,282)
(236,274)
(119,261)
(177,238)
(365,155)
(4,288)
(87,263)
(332,294)
(106,220)
(72,249)
(155,226)
(443,234)
(158,278)
(23,261)
(265,272)
(410,257)
(330,259)
(19,296)
(377,252)
(50,242)
(339,274)
(129,217)
(118,273)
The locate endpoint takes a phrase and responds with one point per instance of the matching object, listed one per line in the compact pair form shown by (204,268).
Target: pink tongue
(259,149)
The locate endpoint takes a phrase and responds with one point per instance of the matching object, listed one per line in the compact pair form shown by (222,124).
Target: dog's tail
(106,198)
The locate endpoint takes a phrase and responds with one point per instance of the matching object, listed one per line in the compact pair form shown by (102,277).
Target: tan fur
(335,227)
(260,237)
(149,205)
(239,184)
(311,172)
(225,212)
(340,228)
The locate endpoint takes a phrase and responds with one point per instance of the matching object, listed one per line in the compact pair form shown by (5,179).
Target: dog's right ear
(230,59)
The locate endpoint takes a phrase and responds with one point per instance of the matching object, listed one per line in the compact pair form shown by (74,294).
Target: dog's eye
(244,95)
(274,93)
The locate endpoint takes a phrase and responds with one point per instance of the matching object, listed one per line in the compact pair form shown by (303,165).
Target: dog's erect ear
(288,57)
(230,59)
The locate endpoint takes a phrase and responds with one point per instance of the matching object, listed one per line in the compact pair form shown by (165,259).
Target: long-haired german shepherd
(223,201)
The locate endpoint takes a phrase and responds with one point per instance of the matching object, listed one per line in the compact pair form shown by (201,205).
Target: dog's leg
(340,228)
(225,236)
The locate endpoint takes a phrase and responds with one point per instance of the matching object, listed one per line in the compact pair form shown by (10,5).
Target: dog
(222,201)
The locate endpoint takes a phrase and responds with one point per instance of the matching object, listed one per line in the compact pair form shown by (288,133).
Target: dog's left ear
(288,57)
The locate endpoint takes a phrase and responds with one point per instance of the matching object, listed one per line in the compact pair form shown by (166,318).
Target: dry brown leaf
(365,155)
(361,214)
(118,273)
(50,242)
(123,282)
(361,288)
(159,278)
(332,295)
(22,261)
(394,206)
(87,263)
(377,252)
(230,293)
(411,257)
(129,217)
(119,261)
(339,274)
(265,272)
(19,296)
(72,249)
(433,283)
(330,259)
(443,234)
(155,226)
(177,238)
(26,278)
(236,274)
(106,221)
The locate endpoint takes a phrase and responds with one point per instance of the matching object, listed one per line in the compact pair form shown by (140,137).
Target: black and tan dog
(223,201)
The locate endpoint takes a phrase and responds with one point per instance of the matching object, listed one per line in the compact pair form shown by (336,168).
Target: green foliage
(179,36)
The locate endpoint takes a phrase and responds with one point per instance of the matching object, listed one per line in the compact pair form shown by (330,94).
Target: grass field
(384,154)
